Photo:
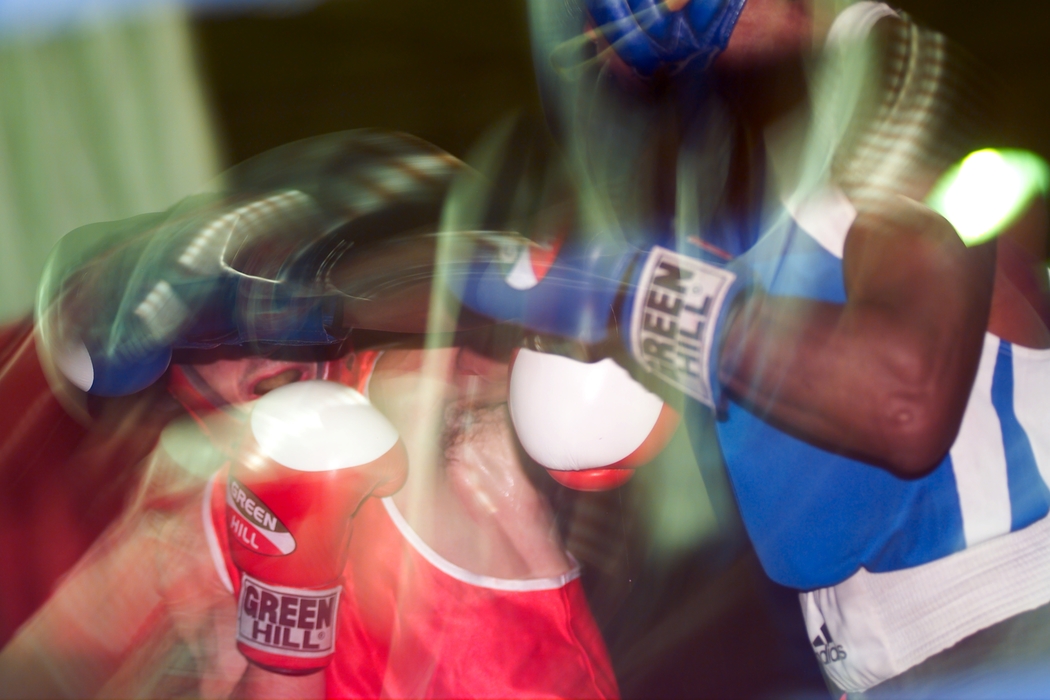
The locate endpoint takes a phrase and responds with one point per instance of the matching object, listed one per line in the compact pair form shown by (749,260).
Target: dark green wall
(442,71)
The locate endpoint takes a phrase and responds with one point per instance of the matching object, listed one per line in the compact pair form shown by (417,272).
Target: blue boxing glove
(189,278)
(669,309)
(244,265)
(648,36)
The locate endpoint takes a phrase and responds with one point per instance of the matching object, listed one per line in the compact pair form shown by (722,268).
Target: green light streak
(985,192)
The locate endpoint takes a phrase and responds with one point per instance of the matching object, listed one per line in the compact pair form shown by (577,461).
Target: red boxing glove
(590,424)
(315,450)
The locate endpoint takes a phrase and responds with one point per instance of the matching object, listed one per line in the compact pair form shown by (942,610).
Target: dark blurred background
(1011,38)
(444,71)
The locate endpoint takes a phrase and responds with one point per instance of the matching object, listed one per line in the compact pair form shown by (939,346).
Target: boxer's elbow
(918,434)
(919,418)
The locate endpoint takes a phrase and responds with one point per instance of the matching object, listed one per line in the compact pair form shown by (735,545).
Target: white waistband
(872,627)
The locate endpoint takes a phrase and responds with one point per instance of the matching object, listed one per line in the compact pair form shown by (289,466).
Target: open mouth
(288,376)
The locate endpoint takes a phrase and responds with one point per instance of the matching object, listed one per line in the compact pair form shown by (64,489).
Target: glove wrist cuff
(287,630)
(677,318)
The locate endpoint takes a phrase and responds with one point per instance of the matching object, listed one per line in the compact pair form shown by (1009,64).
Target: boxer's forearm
(30,667)
(259,684)
(835,378)
(884,378)
(106,606)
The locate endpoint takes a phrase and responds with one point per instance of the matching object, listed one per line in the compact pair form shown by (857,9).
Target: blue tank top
(815,518)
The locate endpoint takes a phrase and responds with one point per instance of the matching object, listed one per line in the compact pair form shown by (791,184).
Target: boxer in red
(457,586)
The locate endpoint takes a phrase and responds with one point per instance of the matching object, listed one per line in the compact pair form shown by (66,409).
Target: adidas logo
(826,649)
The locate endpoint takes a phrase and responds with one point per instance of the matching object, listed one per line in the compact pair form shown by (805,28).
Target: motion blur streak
(986,192)
(98,123)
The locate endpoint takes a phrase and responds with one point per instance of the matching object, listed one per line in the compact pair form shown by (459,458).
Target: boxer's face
(413,387)
(480,380)
(769,32)
(464,374)
(246,379)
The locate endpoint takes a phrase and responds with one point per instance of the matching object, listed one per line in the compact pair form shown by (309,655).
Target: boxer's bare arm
(884,378)
(125,618)
(260,684)
(144,614)
(1021,302)
(82,636)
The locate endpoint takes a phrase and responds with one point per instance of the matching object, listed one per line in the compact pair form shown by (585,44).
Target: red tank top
(413,625)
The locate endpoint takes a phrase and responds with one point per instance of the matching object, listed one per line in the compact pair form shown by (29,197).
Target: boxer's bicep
(910,261)
(923,300)
(200,610)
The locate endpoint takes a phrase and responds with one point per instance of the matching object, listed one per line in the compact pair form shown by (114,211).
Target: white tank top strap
(460,574)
